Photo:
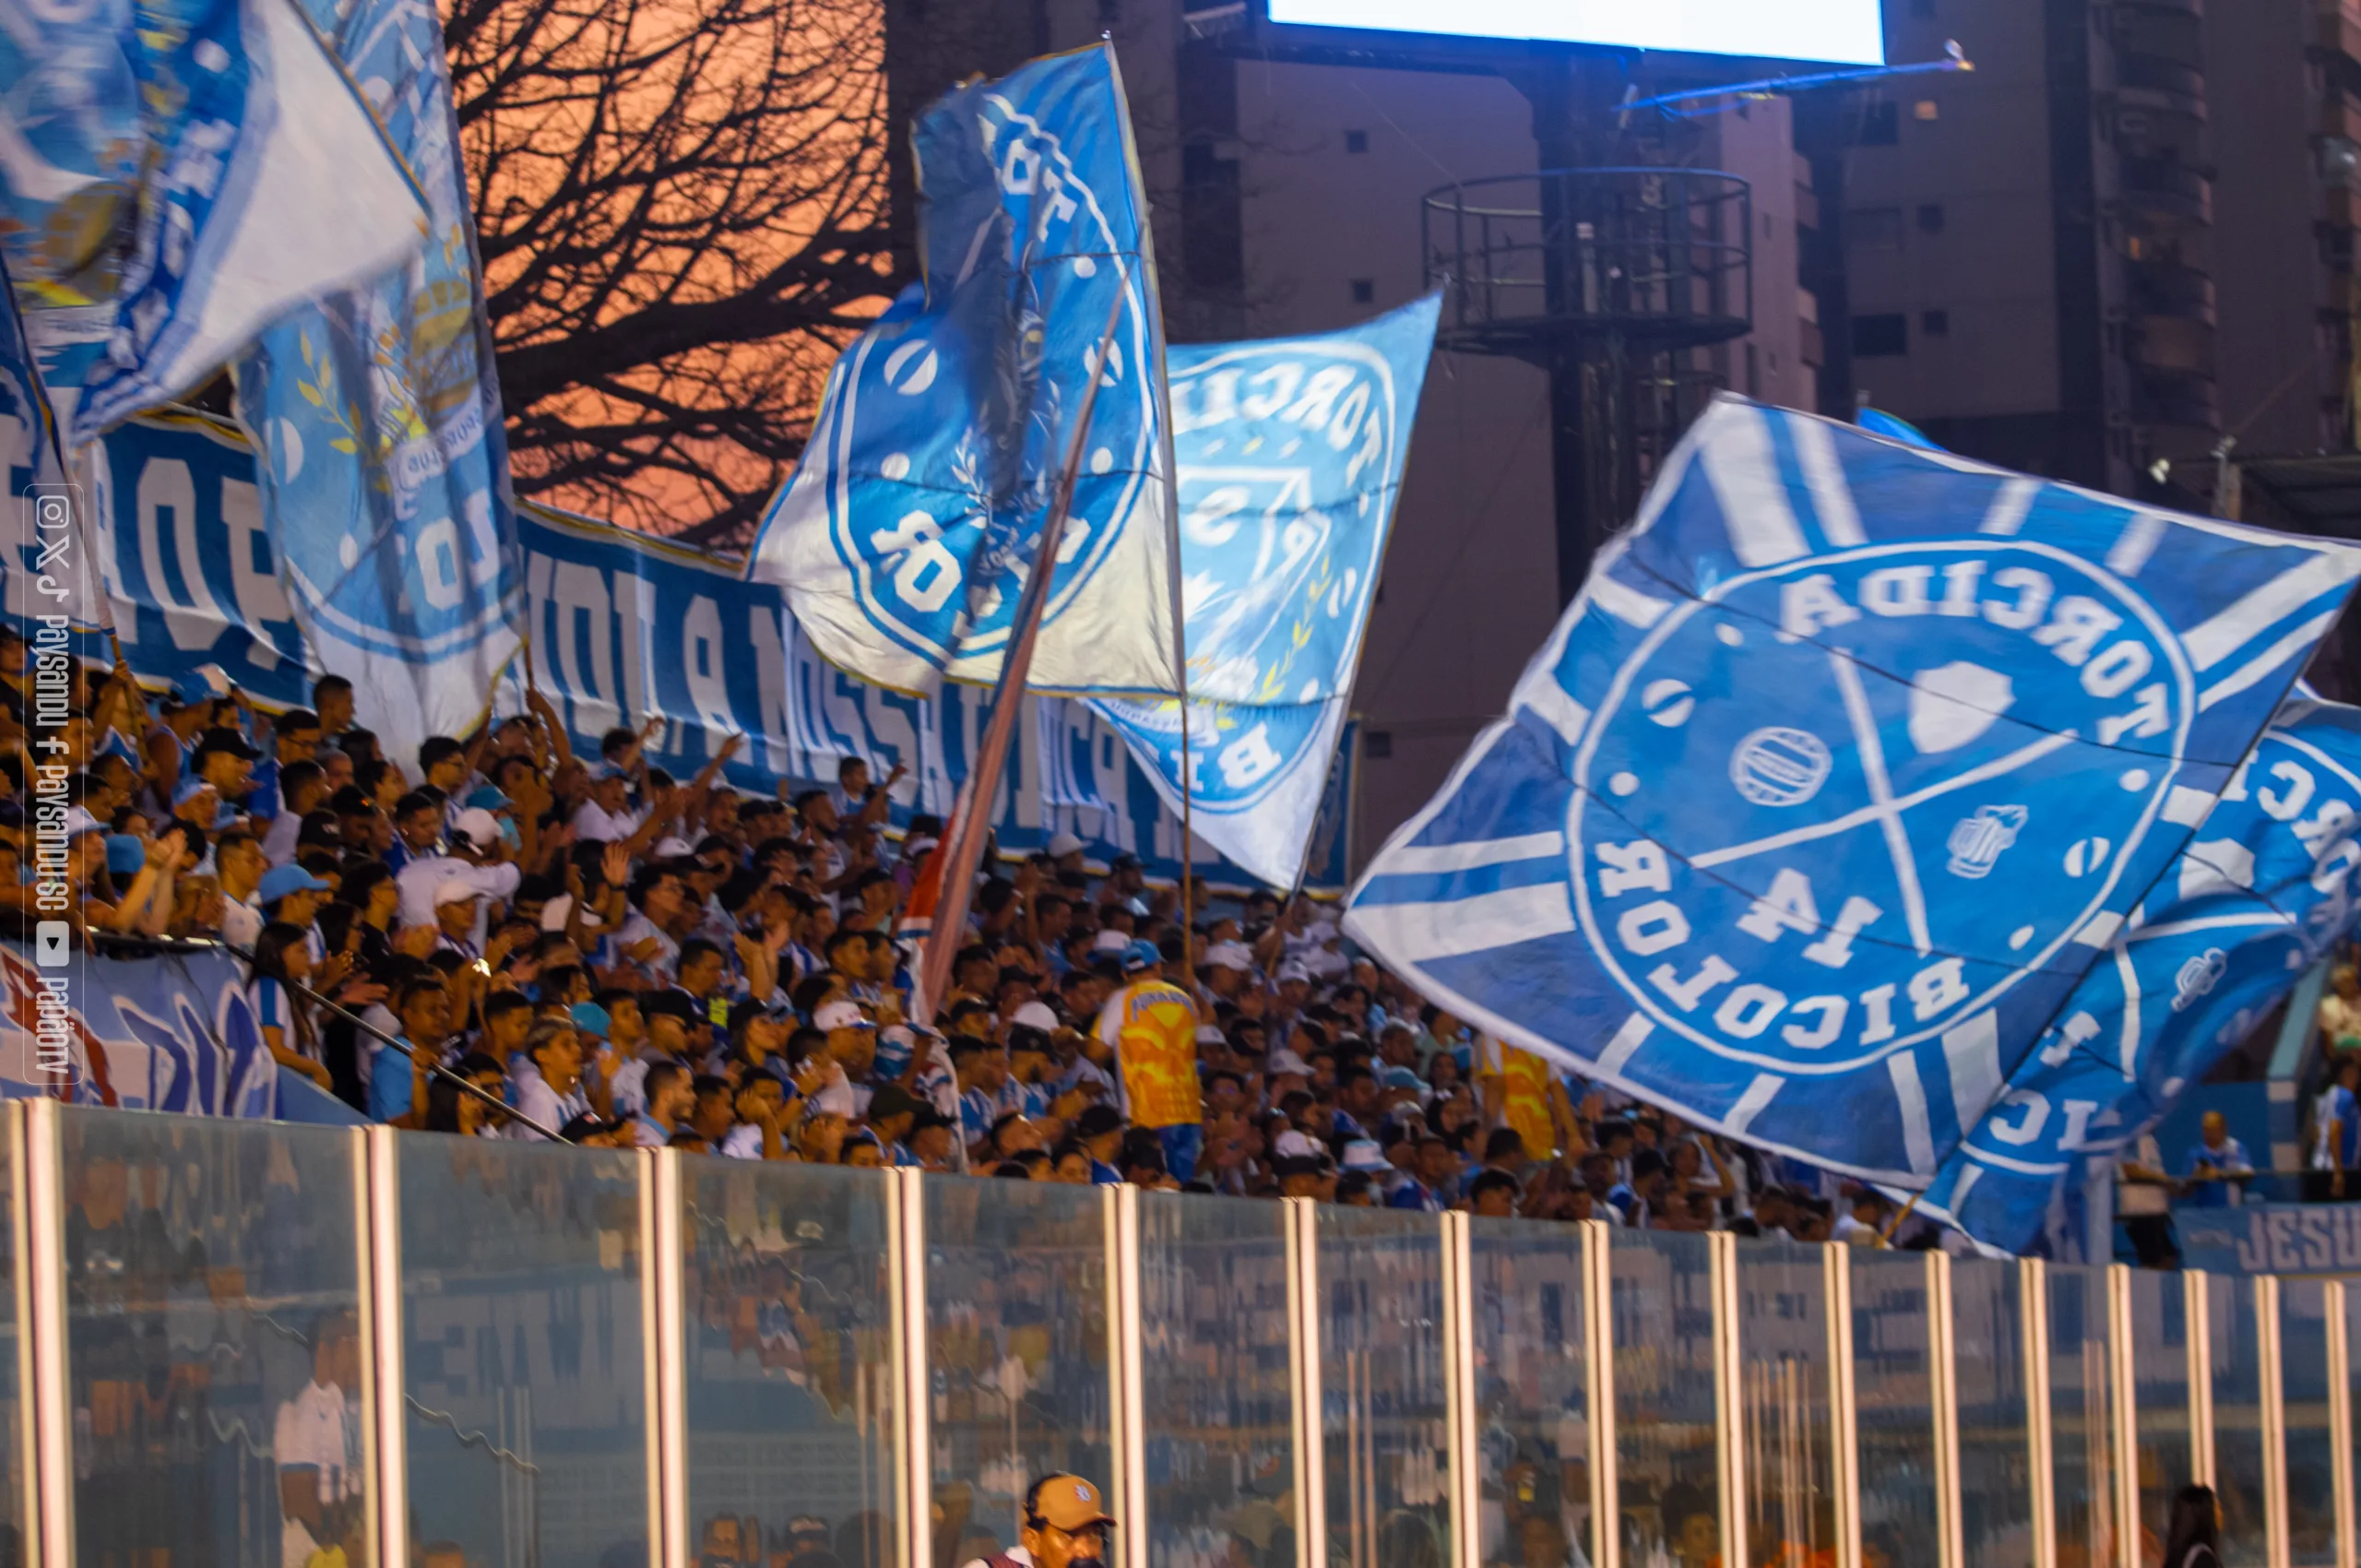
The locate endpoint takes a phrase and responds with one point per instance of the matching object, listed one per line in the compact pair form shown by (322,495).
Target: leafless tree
(682,214)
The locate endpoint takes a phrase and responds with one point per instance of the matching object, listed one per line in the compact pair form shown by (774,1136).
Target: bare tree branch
(682,207)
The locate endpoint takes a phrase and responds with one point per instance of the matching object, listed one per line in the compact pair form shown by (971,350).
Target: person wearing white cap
(477,857)
(457,913)
(1229,970)
(1066,849)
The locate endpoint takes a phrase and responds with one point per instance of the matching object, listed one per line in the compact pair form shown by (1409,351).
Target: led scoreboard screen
(1847,32)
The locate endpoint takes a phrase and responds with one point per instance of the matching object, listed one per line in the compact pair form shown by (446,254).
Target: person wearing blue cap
(293,895)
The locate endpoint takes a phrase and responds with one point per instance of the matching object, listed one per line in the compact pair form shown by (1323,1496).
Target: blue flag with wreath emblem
(1290,453)
(904,540)
(2267,886)
(1847,765)
(384,471)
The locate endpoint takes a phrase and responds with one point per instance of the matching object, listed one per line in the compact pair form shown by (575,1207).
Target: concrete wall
(2271,358)
(1984,163)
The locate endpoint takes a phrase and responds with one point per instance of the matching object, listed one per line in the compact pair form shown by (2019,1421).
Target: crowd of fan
(620,957)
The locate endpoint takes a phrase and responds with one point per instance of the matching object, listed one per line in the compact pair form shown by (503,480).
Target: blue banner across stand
(2265,888)
(625,627)
(1845,767)
(172,1032)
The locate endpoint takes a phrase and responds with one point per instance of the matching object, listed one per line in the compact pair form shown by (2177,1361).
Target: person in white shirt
(2144,1193)
(547,1083)
(315,1437)
(608,815)
(302,788)
(478,858)
(238,861)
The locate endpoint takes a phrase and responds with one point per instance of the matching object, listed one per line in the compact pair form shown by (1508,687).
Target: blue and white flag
(1289,455)
(904,540)
(42,571)
(2268,885)
(385,471)
(1845,765)
(179,175)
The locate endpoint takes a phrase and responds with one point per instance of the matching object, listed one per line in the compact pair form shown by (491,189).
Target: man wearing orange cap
(1065,1527)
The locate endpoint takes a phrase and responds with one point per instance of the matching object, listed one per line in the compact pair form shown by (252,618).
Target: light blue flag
(43,571)
(179,175)
(1290,455)
(2266,887)
(905,539)
(1879,423)
(1845,765)
(385,471)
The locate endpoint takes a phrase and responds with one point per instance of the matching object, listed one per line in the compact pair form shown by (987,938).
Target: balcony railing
(252,1344)
(2163,189)
(2162,287)
(1656,256)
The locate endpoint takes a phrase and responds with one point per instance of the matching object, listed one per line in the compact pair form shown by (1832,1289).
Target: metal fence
(252,1344)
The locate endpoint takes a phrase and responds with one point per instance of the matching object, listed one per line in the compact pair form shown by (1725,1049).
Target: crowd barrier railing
(230,1344)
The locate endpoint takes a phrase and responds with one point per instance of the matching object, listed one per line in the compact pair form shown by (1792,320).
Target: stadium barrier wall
(242,1343)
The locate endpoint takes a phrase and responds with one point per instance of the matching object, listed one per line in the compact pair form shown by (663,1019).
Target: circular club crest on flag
(957,410)
(1842,805)
(1285,452)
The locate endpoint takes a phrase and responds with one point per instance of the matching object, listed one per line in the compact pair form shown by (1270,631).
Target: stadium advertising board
(1847,32)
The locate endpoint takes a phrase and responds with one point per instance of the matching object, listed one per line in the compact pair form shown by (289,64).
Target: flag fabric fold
(179,176)
(905,539)
(1290,453)
(2265,888)
(1849,763)
(376,413)
(44,570)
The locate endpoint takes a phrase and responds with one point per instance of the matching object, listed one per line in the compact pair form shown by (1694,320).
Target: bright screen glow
(1839,32)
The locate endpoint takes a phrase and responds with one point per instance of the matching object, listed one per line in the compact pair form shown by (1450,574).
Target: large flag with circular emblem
(1844,768)
(905,539)
(2270,882)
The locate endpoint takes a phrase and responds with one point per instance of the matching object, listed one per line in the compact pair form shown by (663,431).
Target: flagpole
(962,846)
(93,566)
(1180,677)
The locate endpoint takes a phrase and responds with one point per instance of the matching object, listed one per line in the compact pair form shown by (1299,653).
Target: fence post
(2122,1373)
(43,1418)
(2032,1304)
(1127,1372)
(1459,1385)
(1303,1377)
(2340,1419)
(913,1385)
(1599,1348)
(1951,1546)
(2273,1405)
(2197,1313)
(387,1403)
(51,1392)
(662,1298)
(1845,1457)
(1729,1409)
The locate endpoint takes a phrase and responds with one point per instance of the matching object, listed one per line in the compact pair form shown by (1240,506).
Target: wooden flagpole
(964,843)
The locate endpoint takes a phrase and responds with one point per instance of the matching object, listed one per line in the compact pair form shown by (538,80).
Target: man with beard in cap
(1065,1527)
